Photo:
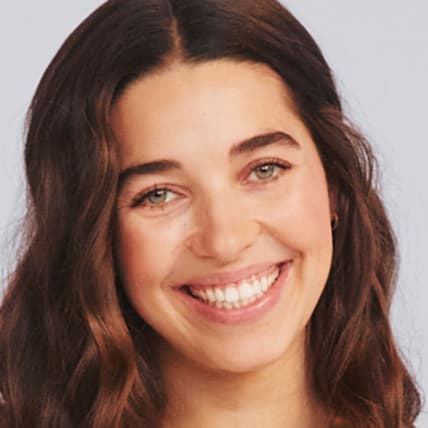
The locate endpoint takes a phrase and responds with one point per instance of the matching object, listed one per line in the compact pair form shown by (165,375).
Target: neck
(276,396)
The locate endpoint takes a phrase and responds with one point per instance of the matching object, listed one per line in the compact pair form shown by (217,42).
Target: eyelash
(140,199)
(277,163)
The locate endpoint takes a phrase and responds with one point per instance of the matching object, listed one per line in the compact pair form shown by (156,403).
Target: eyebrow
(246,146)
(258,141)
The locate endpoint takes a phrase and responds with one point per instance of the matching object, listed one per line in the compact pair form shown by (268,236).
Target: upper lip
(221,278)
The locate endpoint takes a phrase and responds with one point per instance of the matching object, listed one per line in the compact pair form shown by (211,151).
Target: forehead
(184,105)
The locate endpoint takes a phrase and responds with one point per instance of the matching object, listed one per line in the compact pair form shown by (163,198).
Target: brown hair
(72,352)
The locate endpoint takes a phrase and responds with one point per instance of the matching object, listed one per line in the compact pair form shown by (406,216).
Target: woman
(205,245)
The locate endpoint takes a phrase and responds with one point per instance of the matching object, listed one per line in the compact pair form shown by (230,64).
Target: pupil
(158,196)
(264,171)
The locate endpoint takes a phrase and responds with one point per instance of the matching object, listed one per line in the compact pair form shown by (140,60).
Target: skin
(220,215)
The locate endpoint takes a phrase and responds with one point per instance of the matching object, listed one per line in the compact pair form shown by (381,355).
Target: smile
(239,299)
(236,295)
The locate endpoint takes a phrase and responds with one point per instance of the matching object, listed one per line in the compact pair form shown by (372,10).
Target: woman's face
(224,242)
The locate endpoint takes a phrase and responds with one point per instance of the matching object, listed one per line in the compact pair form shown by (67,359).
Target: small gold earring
(334,221)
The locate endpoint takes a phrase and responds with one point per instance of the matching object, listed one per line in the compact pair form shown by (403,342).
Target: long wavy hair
(72,351)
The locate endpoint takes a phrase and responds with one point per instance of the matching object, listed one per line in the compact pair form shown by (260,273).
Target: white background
(379,53)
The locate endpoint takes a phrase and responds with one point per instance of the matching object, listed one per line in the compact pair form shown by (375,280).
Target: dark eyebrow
(155,167)
(262,140)
(249,145)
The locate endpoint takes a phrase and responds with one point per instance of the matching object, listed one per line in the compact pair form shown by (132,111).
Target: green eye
(157,197)
(265,171)
(154,199)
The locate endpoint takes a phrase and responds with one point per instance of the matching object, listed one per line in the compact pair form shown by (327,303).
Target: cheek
(299,211)
(300,220)
(146,251)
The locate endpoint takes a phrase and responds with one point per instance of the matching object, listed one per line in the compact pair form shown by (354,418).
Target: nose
(224,228)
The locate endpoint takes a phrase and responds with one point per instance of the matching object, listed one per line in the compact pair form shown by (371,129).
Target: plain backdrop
(379,53)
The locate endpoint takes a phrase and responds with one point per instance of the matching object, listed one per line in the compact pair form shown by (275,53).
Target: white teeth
(236,295)
(256,286)
(210,295)
(231,294)
(264,283)
(219,295)
(245,291)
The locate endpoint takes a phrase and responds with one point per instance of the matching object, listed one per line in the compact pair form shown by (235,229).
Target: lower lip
(250,313)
